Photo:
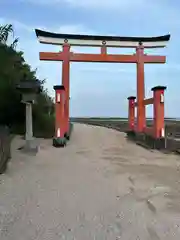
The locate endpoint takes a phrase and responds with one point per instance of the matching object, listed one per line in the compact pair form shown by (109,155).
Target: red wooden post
(159,131)
(60,119)
(131,113)
(65,82)
(141,115)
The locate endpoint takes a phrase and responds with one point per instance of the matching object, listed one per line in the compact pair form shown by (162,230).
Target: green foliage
(5,31)
(14,69)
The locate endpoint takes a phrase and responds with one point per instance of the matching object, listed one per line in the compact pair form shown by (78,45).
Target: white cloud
(69,28)
(75,29)
(105,69)
(16,24)
(157,8)
(100,4)
(163,13)
(105,3)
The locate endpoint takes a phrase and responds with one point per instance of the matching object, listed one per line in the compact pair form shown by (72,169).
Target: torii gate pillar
(66,84)
(141,111)
(59,139)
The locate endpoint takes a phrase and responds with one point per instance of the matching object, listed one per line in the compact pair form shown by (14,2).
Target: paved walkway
(99,187)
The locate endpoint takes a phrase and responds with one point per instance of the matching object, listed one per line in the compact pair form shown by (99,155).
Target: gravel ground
(99,187)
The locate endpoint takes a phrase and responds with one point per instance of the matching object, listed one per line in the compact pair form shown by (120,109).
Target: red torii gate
(103,42)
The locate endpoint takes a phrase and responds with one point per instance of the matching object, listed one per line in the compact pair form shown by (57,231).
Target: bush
(5,149)
(44,126)
(14,69)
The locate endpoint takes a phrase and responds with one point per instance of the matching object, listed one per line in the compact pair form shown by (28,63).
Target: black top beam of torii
(97,40)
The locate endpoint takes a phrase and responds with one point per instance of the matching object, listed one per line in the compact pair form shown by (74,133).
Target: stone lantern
(29,90)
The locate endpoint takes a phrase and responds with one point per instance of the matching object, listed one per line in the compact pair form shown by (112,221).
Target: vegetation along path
(99,187)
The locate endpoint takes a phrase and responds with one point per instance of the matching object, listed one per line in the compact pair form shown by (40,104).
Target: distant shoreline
(116,118)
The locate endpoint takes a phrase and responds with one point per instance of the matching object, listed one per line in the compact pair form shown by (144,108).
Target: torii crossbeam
(103,42)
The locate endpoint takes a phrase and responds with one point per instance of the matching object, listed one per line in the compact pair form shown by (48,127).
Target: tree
(5,31)
(13,68)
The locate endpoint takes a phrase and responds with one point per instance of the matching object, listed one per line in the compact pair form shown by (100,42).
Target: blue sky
(99,89)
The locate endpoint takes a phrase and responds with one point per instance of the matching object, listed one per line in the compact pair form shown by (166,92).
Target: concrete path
(99,187)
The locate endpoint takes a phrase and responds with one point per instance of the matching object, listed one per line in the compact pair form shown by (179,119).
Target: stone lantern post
(29,90)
